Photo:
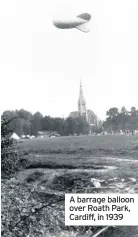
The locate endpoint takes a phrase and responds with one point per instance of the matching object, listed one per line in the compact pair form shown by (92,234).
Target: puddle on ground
(50,173)
(121,159)
(46,183)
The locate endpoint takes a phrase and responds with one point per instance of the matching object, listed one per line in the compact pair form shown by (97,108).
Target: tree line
(121,120)
(26,123)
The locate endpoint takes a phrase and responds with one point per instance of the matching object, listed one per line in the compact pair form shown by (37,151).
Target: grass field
(86,142)
(60,165)
(85,152)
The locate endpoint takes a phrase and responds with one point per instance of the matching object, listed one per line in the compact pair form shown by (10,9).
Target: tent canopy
(15,136)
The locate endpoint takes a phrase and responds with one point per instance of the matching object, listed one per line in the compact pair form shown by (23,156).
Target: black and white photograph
(69,117)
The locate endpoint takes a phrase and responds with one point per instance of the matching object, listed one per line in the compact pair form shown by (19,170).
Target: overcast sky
(41,65)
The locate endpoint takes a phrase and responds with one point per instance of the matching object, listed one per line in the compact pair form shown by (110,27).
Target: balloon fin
(85,16)
(84,28)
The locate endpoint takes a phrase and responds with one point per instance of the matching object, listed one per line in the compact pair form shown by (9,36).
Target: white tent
(15,136)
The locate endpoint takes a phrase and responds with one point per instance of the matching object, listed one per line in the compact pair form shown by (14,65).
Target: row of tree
(121,120)
(25,123)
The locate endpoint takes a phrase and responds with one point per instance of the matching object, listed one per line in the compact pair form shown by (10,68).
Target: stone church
(88,114)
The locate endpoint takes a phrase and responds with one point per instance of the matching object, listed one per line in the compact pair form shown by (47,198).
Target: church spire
(81,102)
(81,90)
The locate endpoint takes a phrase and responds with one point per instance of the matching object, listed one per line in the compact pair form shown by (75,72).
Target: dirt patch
(36,176)
(69,181)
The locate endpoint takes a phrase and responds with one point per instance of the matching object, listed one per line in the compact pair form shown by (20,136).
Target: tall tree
(83,126)
(72,125)
(133,111)
(47,123)
(112,112)
(124,110)
(36,123)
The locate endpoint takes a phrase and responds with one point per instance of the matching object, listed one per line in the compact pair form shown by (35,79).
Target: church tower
(82,103)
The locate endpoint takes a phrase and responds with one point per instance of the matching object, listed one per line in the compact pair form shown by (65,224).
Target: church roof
(89,111)
(73,114)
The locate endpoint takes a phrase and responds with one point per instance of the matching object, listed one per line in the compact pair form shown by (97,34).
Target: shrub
(9,153)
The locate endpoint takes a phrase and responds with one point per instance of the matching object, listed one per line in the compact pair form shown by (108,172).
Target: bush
(9,153)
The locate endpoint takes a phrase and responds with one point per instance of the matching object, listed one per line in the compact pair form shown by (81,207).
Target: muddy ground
(58,166)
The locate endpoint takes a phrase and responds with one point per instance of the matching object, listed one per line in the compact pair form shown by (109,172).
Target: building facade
(88,114)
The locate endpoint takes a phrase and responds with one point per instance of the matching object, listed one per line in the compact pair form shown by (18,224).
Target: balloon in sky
(80,22)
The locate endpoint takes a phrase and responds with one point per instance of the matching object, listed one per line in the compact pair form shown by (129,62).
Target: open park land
(59,165)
